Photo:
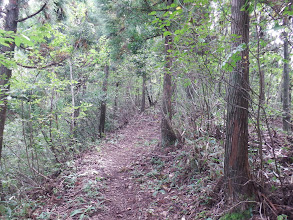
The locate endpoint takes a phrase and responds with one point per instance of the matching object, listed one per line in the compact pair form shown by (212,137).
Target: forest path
(124,199)
(103,186)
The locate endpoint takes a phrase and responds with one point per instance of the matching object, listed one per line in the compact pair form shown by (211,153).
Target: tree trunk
(149,95)
(168,136)
(103,103)
(72,125)
(143,92)
(236,167)
(286,83)
(10,24)
(115,109)
(261,74)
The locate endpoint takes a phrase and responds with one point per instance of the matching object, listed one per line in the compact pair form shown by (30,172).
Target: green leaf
(290,13)
(22,39)
(187,82)
(27,41)
(4,41)
(153,13)
(270,161)
(235,36)
(17,41)
(167,33)
(166,14)
(177,32)
(282,217)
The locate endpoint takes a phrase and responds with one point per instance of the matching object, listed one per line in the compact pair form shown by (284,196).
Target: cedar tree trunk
(168,135)
(236,167)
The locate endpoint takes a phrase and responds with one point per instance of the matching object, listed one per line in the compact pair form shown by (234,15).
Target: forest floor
(120,179)
(129,176)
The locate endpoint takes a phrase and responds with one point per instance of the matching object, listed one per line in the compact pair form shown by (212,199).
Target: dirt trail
(103,186)
(124,199)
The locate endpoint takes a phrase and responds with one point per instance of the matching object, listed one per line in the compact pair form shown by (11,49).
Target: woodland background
(73,71)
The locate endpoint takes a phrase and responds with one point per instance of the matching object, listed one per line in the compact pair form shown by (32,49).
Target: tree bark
(149,95)
(261,72)
(103,103)
(115,109)
(168,136)
(72,125)
(236,166)
(142,109)
(286,83)
(10,24)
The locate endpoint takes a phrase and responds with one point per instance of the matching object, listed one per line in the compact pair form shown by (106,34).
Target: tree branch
(32,15)
(42,67)
(153,36)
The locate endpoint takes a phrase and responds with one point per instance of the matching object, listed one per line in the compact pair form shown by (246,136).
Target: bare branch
(32,15)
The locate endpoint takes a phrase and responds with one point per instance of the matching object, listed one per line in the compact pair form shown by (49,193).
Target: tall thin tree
(168,135)
(286,81)
(236,167)
(103,102)
(142,109)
